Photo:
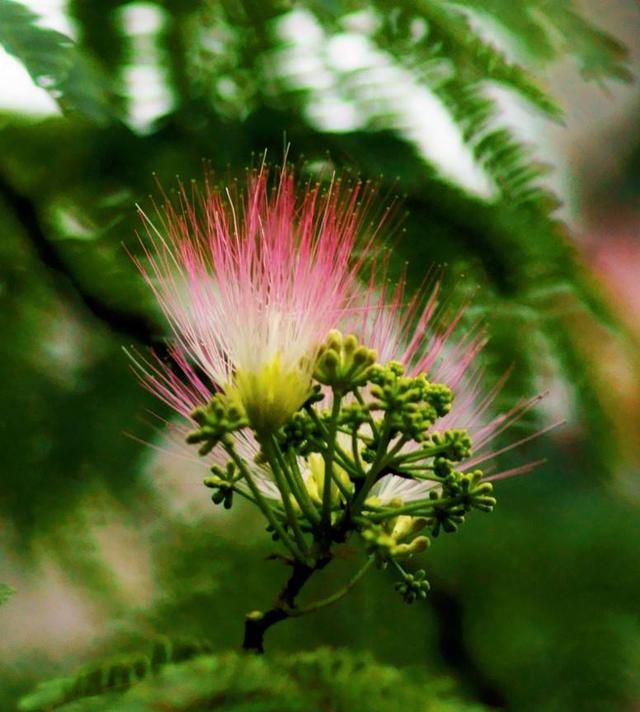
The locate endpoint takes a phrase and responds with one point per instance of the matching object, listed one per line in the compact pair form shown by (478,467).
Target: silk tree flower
(399,328)
(381,434)
(252,282)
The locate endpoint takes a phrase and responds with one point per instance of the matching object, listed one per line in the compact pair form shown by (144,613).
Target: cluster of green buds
(223,482)
(361,457)
(413,586)
(216,422)
(342,363)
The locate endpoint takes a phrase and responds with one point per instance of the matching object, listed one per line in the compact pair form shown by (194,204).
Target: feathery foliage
(111,675)
(324,679)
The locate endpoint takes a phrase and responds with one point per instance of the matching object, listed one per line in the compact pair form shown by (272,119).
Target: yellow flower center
(271,395)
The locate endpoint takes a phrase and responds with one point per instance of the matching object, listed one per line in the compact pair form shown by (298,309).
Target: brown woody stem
(257,623)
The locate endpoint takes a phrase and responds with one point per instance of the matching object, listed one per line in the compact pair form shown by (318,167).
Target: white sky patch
(353,84)
(19,93)
(333,113)
(53,14)
(493,33)
(17,90)
(363,21)
(349,52)
(149,94)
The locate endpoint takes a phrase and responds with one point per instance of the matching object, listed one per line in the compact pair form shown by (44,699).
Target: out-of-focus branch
(454,650)
(132,326)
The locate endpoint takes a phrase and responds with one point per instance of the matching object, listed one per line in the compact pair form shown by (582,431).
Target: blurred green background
(508,128)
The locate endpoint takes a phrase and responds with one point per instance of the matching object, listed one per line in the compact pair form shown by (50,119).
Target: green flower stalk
(342,412)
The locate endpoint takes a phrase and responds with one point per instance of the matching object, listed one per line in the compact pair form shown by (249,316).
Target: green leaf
(55,63)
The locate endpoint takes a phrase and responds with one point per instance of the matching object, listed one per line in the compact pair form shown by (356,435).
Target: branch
(132,326)
(257,623)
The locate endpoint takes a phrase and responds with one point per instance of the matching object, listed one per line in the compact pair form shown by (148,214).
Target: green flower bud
(342,363)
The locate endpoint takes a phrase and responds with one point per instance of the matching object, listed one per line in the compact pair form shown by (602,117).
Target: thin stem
(423,507)
(335,597)
(372,422)
(328,459)
(355,453)
(263,504)
(396,448)
(304,499)
(317,422)
(398,566)
(340,455)
(343,459)
(284,485)
(412,468)
(411,473)
(340,485)
(422,454)
(244,495)
(376,466)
